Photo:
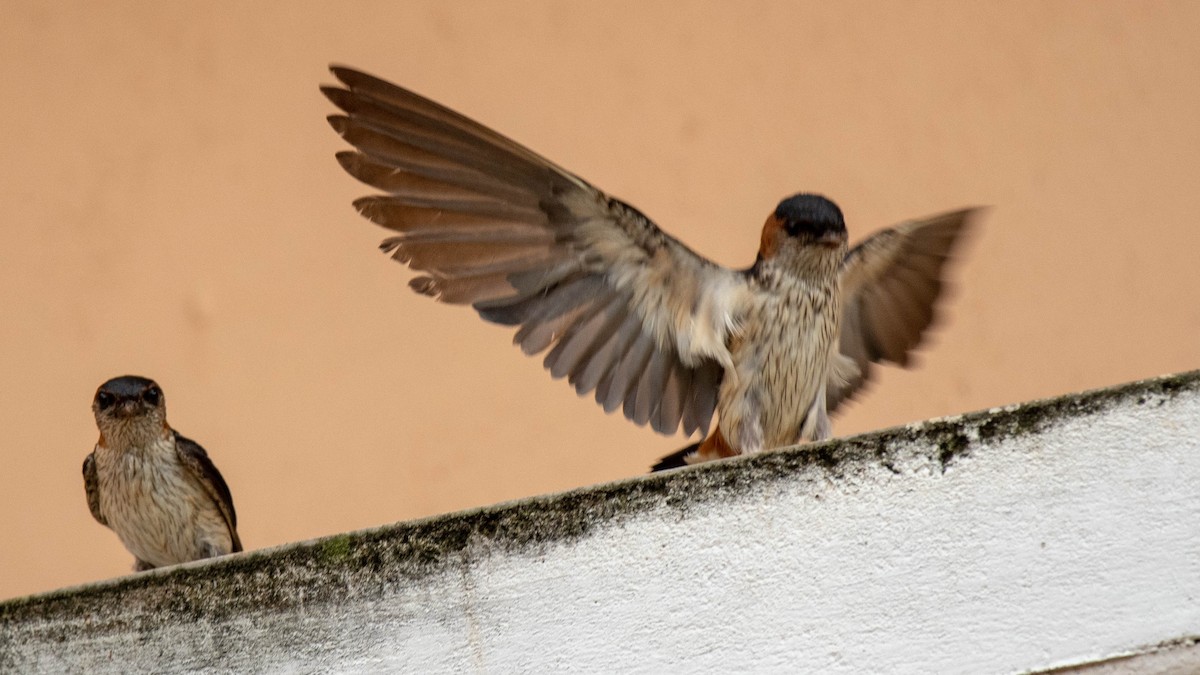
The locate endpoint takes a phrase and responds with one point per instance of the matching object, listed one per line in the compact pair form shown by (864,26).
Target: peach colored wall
(172,208)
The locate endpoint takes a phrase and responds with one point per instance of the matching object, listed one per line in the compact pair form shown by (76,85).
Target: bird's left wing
(890,286)
(625,310)
(196,460)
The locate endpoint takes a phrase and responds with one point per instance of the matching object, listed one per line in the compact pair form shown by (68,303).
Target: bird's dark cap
(126,386)
(809,208)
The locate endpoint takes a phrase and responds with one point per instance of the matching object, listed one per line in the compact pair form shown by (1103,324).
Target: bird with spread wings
(623,310)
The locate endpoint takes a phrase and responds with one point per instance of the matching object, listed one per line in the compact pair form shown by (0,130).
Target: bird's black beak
(127,408)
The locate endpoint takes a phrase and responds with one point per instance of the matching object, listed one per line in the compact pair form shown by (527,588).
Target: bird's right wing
(91,485)
(625,310)
(890,286)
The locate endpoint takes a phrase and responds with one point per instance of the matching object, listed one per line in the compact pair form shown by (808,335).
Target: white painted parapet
(1045,535)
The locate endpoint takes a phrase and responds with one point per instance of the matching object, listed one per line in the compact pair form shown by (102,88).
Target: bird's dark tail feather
(676,459)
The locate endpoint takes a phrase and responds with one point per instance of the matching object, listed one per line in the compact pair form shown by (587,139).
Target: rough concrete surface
(1174,657)
(1045,535)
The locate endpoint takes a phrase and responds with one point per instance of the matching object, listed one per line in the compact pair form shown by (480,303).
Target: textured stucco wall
(1052,533)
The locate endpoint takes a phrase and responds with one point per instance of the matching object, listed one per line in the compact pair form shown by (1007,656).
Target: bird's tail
(676,459)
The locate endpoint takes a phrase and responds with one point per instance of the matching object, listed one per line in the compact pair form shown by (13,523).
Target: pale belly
(782,365)
(160,513)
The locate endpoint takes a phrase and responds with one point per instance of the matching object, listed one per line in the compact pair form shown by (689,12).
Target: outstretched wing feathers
(623,309)
(429,115)
(890,285)
(587,334)
(389,122)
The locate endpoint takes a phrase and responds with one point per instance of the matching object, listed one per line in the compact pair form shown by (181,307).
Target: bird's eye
(104,400)
(152,395)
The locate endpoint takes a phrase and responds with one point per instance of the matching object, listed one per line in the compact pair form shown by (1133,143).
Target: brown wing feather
(201,467)
(91,486)
(890,286)
(625,310)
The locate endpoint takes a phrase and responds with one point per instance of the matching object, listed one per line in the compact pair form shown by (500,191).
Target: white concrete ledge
(1046,535)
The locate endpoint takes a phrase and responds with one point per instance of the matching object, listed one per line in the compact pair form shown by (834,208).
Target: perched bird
(625,310)
(157,490)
